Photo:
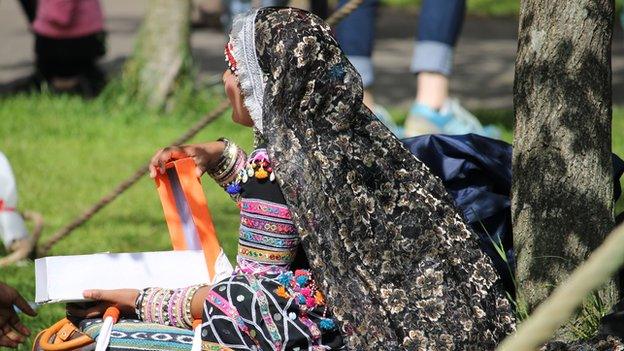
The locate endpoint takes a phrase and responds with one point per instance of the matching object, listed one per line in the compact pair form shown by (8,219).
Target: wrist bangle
(138,304)
(154,306)
(145,304)
(187,316)
(222,159)
(180,307)
(226,163)
(239,162)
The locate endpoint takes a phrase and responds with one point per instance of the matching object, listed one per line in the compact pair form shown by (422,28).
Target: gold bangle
(188,299)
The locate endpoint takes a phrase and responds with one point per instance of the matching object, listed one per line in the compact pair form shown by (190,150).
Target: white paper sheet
(64,278)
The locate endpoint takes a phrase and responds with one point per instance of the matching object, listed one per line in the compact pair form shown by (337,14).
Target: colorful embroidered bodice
(268,241)
(271,302)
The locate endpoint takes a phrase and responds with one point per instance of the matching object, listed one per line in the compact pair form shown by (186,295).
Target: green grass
(67,153)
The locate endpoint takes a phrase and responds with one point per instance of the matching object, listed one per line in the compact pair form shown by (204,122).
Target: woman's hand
(124,299)
(12,331)
(205,156)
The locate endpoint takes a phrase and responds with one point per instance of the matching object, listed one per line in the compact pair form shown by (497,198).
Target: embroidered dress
(267,304)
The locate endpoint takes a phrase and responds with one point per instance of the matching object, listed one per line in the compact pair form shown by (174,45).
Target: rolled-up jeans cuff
(364,66)
(432,56)
(274,3)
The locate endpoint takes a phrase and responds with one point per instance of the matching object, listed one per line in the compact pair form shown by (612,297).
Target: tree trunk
(162,55)
(562,191)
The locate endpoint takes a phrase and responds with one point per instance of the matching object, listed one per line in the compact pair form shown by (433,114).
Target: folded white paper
(64,278)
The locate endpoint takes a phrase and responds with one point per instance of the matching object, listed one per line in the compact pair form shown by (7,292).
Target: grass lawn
(67,153)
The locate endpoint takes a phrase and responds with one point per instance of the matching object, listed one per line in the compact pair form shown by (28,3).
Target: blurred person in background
(69,39)
(432,111)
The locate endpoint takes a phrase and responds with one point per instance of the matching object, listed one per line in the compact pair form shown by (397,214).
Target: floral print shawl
(400,268)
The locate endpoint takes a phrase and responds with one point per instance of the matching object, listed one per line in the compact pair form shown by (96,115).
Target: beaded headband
(250,76)
(229,57)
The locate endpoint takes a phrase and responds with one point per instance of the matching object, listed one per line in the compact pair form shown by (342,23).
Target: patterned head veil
(398,264)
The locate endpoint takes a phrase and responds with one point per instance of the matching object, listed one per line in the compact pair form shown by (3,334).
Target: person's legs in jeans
(439,27)
(235,7)
(356,35)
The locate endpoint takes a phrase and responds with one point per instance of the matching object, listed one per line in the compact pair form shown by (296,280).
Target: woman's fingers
(202,154)
(98,295)
(154,163)
(199,171)
(160,159)
(157,163)
(124,299)
(161,166)
(152,171)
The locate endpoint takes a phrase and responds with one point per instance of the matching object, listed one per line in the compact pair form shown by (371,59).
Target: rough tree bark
(562,192)
(162,54)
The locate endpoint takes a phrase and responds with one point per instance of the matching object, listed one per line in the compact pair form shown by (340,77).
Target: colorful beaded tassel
(258,166)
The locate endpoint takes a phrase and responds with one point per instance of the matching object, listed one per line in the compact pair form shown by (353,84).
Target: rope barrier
(562,303)
(343,12)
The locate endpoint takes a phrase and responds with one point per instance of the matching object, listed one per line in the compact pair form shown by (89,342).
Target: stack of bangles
(232,159)
(167,306)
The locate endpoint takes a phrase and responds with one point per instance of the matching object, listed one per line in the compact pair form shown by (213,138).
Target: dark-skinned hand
(12,331)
